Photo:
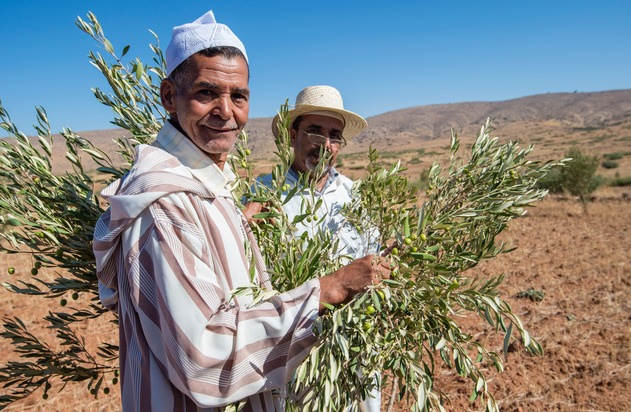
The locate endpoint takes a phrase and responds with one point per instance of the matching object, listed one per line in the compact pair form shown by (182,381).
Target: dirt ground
(579,259)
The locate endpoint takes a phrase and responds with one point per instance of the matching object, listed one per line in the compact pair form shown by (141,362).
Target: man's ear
(292,136)
(167,95)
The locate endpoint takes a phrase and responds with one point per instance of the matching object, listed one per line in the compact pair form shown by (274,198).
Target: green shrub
(621,181)
(533,294)
(578,177)
(422,183)
(613,156)
(610,164)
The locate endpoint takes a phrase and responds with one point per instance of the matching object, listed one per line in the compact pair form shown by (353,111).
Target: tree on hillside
(401,327)
(578,178)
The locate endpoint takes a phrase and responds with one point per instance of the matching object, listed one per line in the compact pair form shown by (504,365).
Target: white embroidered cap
(201,34)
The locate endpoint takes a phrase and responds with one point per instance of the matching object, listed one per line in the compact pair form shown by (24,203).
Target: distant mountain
(428,122)
(408,128)
(405,126)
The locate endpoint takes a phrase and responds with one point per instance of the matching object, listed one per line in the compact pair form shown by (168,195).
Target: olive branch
(401,327)
(398,328)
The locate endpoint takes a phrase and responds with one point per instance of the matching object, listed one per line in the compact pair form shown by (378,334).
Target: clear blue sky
(382,55)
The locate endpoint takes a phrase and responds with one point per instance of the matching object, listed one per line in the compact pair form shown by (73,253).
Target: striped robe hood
(146,182)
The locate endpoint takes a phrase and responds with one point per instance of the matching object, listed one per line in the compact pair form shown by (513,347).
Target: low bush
(578,177)
(621,181)
(533,294)
(613,156)
(610,164)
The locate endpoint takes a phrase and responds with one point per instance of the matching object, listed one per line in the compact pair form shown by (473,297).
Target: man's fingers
(387,250)
(381,270)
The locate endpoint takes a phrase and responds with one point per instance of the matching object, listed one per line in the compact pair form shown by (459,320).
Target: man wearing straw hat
(170,250)
(319,128)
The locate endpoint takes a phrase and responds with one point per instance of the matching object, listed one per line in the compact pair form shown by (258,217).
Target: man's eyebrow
(207,85)
(313,127)
(319,128)
(212,86)
(241,90)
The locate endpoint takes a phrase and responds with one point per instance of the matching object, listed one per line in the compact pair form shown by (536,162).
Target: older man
(170,251)
(319,129)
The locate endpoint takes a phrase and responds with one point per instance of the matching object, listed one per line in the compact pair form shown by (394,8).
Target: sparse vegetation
(534,295)
(577,178)
(610,164)
(614,156)
(621,181)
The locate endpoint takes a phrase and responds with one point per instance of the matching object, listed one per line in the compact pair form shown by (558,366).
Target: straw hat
(327,101)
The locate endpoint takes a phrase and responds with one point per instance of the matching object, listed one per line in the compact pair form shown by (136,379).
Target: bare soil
(581,261)
(578,258)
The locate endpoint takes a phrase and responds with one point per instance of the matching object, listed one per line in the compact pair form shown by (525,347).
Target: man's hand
(252,209)
(348,281)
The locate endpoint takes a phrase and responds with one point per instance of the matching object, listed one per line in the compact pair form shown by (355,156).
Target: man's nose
(327,144)
(222,107)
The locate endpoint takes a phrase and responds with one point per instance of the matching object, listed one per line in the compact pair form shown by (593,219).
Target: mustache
(223,126)
(317,152)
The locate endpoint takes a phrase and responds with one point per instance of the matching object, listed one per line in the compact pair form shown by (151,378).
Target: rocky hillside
(555,114)
(409,127)
(585,110)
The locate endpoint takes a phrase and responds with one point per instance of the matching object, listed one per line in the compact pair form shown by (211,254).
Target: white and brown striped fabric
(170,249)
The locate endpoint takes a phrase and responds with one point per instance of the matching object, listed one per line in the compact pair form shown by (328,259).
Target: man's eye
(239,97)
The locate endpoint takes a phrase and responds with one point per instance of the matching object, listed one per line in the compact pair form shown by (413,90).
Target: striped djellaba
(170,250)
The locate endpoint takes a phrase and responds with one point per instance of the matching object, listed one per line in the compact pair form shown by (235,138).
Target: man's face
(306,153)
(211,105)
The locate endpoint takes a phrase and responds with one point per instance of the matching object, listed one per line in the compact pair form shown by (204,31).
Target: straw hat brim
(354,124)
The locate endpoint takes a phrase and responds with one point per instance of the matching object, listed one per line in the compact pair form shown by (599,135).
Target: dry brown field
(578,258)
